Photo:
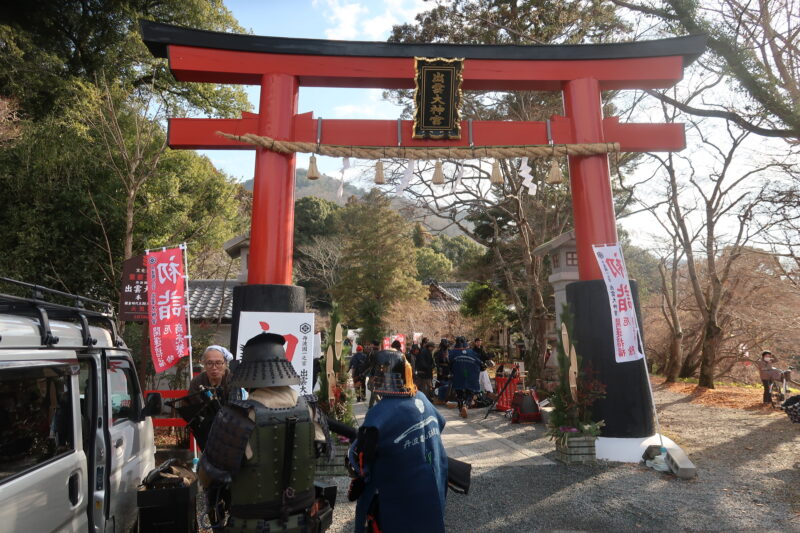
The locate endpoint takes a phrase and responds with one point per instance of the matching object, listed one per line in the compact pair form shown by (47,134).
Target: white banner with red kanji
(296,328)
(166,307)
(627,340)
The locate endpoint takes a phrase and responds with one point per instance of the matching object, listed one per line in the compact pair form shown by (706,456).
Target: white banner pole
(188,336)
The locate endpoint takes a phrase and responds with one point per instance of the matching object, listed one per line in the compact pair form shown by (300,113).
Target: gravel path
(748,479)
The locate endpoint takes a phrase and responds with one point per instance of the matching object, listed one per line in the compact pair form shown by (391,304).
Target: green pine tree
(379,263)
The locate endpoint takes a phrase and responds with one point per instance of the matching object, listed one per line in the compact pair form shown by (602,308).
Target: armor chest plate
(280,473)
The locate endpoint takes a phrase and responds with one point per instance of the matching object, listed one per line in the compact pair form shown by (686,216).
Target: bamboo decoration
(379,179)
(438,174)
(496,177)
(329,372)
(313,171)
(337,341)
(569,349)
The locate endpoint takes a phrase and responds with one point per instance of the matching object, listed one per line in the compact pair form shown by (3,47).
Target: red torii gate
(280,66)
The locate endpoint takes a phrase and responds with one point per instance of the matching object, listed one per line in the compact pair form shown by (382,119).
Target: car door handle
(118,443)
(74,489)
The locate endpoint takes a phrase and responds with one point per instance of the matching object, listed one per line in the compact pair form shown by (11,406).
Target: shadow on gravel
(740,486)
(762,439)
(662,406)
(520,497)
(599,497)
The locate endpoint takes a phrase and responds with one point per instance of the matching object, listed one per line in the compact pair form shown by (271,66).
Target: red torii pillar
(581,72)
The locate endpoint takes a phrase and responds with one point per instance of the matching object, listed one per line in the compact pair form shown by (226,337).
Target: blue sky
(370,20)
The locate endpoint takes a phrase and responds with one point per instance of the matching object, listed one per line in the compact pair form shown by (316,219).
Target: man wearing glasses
(215,376)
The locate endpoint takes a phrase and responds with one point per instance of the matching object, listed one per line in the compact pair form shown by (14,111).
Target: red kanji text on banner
(296,328)
(627,340)
(166,307)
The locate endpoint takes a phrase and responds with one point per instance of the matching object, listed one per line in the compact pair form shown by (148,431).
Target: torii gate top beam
(206,56)
(281,66)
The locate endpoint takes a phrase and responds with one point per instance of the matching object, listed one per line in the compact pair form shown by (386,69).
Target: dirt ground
(729,429)
(749,398)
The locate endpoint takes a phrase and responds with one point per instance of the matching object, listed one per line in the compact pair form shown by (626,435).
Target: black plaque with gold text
(437,98)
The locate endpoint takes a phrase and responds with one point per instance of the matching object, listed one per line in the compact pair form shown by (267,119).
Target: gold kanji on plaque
(437,98)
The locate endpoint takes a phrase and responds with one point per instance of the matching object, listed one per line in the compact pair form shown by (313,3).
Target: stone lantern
(563,256)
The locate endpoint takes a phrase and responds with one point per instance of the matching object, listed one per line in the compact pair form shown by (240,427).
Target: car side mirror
(152,405)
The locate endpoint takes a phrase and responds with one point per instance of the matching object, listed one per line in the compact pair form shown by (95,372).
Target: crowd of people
(452,370)
(397,448)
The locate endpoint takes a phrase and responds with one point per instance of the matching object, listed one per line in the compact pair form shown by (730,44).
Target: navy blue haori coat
(465,367)
(408,475)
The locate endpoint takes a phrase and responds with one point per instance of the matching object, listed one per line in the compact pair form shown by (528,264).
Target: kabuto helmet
(392,375)
(264,364)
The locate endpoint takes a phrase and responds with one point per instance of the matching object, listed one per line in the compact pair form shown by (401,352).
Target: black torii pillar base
(627,407)
(267,298)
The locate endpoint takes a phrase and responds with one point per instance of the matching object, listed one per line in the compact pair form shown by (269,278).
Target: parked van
(76,439)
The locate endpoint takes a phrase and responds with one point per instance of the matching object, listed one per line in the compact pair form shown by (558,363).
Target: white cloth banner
(627,340)
(407,175)
(345,166)
(297,328)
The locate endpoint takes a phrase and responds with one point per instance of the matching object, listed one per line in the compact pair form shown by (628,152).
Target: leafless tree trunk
(669,308)
(320,262)
(134,144)
(724,220)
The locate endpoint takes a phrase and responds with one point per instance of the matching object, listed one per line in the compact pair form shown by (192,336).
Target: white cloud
(378,28)
(395,12)
(407,9)
(344,17)
(371,20)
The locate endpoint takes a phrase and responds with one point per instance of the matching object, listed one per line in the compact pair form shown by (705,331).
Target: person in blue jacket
(398,454)
(358,366)
(465,368)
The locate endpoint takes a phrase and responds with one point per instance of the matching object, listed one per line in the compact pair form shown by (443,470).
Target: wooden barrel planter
(575,449)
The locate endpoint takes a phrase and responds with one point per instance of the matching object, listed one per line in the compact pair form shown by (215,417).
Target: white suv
(75,437)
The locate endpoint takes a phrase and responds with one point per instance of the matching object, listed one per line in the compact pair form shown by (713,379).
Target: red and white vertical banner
(627,340)
(166,306)
(387,342)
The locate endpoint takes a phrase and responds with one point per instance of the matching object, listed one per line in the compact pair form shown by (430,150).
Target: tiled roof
(445,305)
(207,296)
(455,288)
(567,238)
(447,296)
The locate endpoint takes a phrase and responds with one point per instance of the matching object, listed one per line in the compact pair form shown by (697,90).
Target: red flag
(166,306)
(387,342)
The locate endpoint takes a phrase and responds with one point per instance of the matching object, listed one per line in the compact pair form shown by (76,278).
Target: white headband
(221,349)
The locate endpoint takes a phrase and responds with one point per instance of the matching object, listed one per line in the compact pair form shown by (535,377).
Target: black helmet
(264,364)
(392,374)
